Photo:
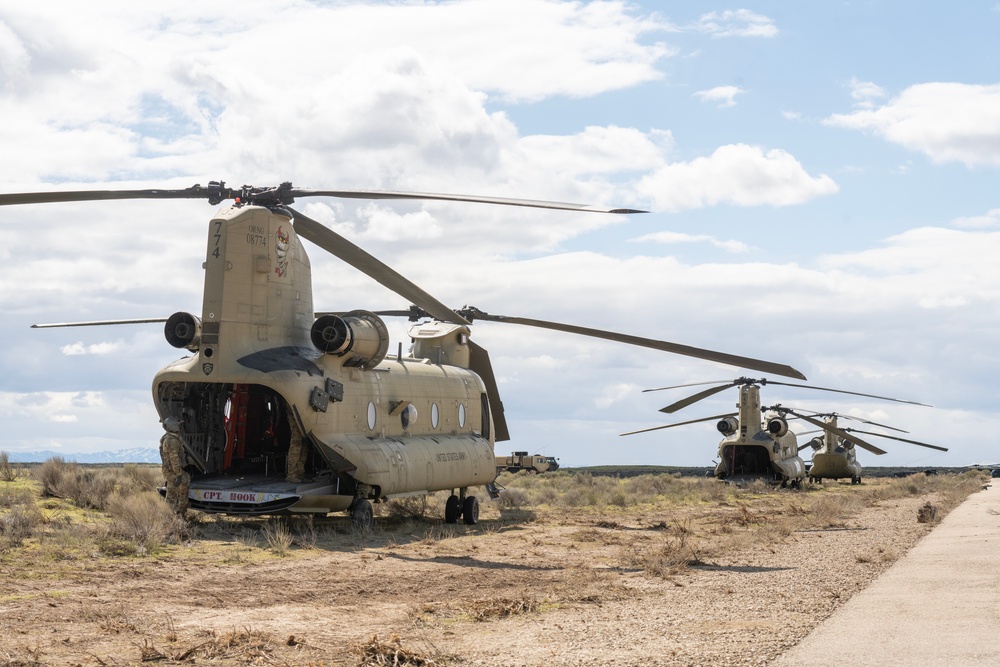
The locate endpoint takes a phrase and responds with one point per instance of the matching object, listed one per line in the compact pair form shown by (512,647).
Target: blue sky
(821,181)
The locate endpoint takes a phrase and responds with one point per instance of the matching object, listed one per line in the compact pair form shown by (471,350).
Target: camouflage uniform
(178,480)
(295,466)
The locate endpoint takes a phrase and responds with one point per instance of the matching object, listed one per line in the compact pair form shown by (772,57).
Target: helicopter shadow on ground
(337,533)
(745,569)
(473,562)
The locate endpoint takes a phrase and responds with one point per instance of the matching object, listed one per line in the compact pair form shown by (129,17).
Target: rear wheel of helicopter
(452,509)
(470,512)
(362,514)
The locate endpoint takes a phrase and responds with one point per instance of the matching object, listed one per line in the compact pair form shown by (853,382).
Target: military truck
(533,463)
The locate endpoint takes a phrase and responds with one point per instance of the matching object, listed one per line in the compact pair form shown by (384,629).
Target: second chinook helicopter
(757,443)
(264,367)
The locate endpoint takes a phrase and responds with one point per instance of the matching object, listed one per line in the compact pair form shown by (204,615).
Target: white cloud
(737,23)
(740,175)
(732,245)
(78,348)
(990,219)
(948,122)
(725,96)
(164,96)
(865,93)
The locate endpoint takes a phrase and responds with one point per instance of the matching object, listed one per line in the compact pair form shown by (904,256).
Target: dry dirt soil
(571,586)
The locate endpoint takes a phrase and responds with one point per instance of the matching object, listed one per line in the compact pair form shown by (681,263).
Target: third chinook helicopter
(263,364)
(834,455)
(755,447)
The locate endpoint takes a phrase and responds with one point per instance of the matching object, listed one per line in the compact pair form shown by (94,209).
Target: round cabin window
(461,415)
(409,416)
(435,415)
(371,416)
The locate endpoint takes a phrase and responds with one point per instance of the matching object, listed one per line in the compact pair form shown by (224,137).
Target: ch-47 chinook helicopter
(834,455)
(262,363)
(754,447)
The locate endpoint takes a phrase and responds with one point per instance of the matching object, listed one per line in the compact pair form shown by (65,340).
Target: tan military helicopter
(834,455)
(263,364)
(753,447)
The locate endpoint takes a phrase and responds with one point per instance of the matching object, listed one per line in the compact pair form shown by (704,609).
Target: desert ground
(565,570)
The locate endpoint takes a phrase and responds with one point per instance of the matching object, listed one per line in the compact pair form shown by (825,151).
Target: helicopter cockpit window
(435,415)
(409,416)
(461,415)
(371,415)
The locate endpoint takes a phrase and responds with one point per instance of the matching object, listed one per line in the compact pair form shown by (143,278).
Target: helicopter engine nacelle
(359,335)
(728,426)
(846,444)
(183,330)
(777,426)
(816,443)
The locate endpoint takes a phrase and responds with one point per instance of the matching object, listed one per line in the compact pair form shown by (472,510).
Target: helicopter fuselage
(261,365)
(755,450)
(833,458)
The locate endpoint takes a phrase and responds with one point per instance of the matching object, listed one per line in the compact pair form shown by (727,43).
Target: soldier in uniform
(295,466)
(174,459)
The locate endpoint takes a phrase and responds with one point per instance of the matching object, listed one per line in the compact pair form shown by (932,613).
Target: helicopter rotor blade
(690,384)
(694,398)
(194,192)
(842,391)
(843,434)
(340,247)
(504,201)
(852,418)
(892,437)
(284,194)
(693,421)
(98,323)
(473,313)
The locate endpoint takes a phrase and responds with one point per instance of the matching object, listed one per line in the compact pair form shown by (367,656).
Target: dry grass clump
(491,609)
(278,536)
(391,653)
(828,510)
(90,487)
(21,519)
(245,646)
(140,523)
(412,508)
(21,657)
(565,489)
(671,553)
(17,525)
(8,473)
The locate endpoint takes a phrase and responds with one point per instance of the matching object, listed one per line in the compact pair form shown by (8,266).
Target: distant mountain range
(134,455)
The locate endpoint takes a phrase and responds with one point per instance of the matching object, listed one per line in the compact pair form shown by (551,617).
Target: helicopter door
(256,435)
(485,401)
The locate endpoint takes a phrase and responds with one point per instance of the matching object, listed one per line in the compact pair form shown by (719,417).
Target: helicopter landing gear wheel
(362,515)
(856,480)
(452,509)
(470,511)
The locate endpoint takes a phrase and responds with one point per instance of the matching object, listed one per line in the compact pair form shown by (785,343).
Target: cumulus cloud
(865,93)
(79,348)
(948,122)
(724,96)
(667,238)
(989,219)
(737,23)
(739,174)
